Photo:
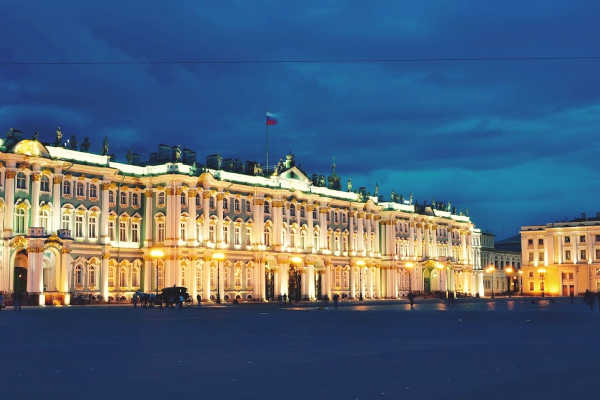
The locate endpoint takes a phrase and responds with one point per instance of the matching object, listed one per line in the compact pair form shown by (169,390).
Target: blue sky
(514,142)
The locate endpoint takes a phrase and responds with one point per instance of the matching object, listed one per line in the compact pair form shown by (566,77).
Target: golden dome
(30,147)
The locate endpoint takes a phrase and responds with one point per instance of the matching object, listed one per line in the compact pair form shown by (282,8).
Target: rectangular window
(93,191)
(66,222)
(123,198)
(542,286)
(267,208)
(567,239)
(45,184)
(531,286)
(111,231)
(248,206)
(92,227)
(530,275)
(597,254)
(540,242)
(122,231)
(568,255)
(530,242)
(66,188)
(79,226)
(161,231)
(182,232)
(541,257)
(80,189)
(597,238)
(111,197)
(211,233)
(582,255)
(582,238)
(211,203)
(570,276)
(135,232)
(182,199)
(135,200)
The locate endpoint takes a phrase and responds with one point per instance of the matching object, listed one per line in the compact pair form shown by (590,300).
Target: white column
(361,232)
(56,195)
(35,196)
(310,233)
(328,280)
(177,215)
(104,238)
(219,238)
(221,277)
(104,276)
(206,276)
(148,229)
(147,277)
(9,200)
(259,223)
(191,226)
(311,282)
(276,210)
(205,215)
(283,277)
(352,282)
(351,231)
(323,227)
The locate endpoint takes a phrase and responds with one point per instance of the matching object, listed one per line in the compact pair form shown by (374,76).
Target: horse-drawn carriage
(169,297)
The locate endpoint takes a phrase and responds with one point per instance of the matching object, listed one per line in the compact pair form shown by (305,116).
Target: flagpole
(267,144)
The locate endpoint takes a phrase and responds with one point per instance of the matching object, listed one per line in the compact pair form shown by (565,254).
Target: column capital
(148,193)
(105,185)
(192,192)
(170,191)
(10,174)
(206,194)
(36,176)
(57,179)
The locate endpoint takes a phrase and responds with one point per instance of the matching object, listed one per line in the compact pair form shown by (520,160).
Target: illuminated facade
(75,222)
(561,258)
(506,264)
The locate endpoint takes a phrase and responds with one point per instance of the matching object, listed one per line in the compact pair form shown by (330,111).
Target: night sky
(515,142)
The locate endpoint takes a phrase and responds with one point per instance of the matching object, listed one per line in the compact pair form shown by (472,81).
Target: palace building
(561,258)
(78,223)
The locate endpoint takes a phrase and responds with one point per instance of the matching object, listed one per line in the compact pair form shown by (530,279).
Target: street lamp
(219,257)
(521,282)
(409,266)
(508,270)
(360,264)
(542,271)
(490,270)
(156,254)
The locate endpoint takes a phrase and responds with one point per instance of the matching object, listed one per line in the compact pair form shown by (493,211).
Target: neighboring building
(561,258)
(506,261)
(75,222)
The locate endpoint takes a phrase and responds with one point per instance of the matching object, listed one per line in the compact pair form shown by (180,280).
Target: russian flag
(271,119)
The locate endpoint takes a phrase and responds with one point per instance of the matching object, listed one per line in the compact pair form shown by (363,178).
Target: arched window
(80,189)
(111,277)
(45,184)
(111,197)
(248,240)
(237,236)
(267,210)
(338,277)
(267,237)
(292,210)
(161,275)
(237,277)
(211,202)
(225,233)
(20,220)
(93,191)
(316,240)
(303,239)
(249,277)
(198,279)
(211,233)
(198,200)
(283,237)
(123,278)
(78,276)
(123,198)
(293,238)
(92,276)
(161,199)
(183,202)
(225,204)
(135,277)
(337,243)
(302,212)
(135,232)
(45,220)
(237,205)
(314,213)
(21,181)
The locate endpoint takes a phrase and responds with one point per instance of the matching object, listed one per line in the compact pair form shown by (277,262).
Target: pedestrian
(199,299)
(571,296)
(135,300)
(1,301)
(336,298)
(284,298)
(17,301)
(411,300)
(180,302)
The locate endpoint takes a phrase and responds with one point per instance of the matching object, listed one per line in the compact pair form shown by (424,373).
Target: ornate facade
(75,222)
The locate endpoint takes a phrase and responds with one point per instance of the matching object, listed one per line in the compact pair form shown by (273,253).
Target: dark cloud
(512,141)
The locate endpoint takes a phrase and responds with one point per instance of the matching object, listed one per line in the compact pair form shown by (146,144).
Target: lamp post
(219,257)
(508,270)
(360,264)
(490,270)
(521,282)
(542,271)
(156,254)
(409,266)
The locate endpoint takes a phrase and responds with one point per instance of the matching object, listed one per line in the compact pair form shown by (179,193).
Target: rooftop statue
(85,146)
(59,137)
(411,199)
(178,154)
(349,185)
(105,146)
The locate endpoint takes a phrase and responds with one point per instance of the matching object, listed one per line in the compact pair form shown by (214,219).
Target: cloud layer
(515,142)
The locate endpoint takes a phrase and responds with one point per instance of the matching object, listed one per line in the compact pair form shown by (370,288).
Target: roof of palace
(173,160)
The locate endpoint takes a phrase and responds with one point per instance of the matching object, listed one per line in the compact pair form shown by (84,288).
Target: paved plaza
(479,350)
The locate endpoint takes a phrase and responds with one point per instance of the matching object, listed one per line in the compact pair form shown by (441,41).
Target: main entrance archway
(295,284)
(20,272)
